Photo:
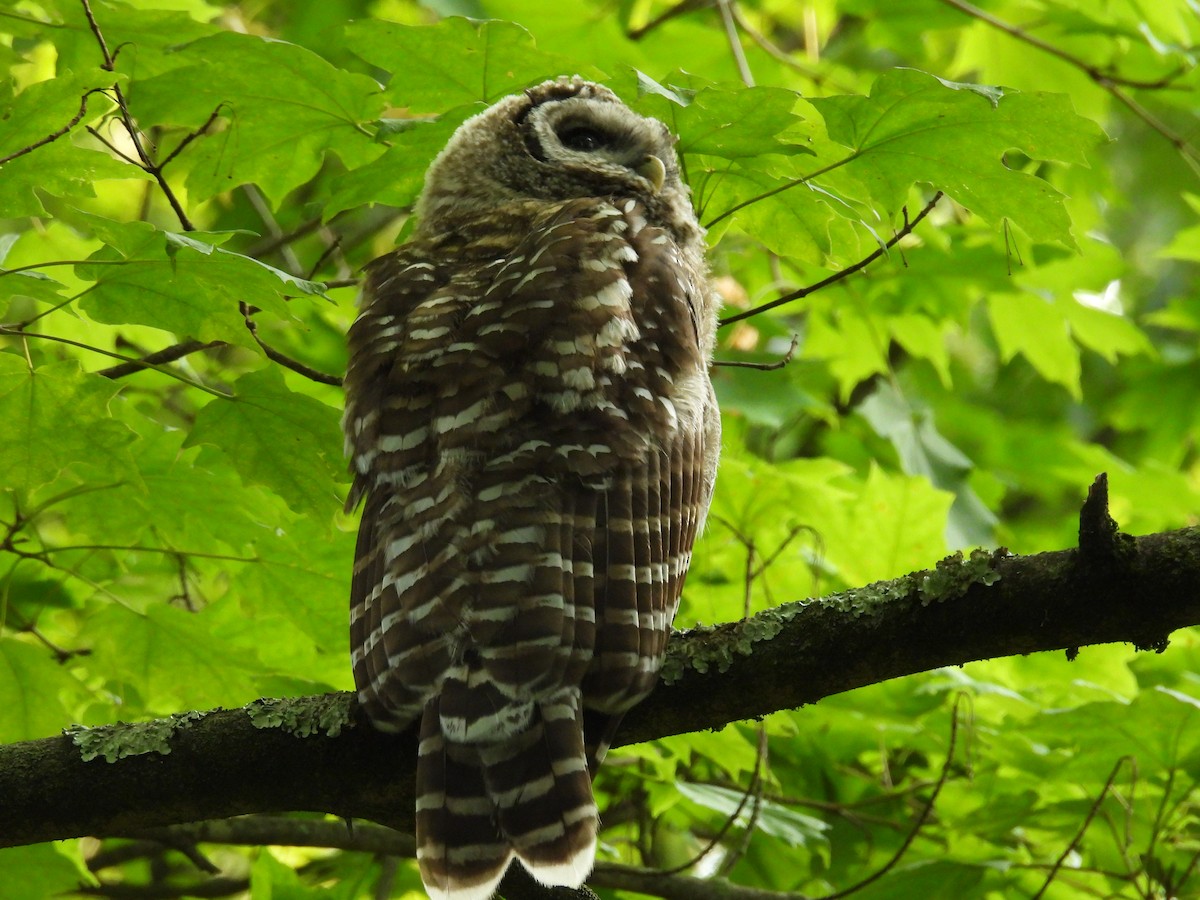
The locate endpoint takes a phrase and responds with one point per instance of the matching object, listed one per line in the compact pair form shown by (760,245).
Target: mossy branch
(314,753)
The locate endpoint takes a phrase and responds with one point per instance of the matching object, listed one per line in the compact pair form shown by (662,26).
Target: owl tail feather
(481,805)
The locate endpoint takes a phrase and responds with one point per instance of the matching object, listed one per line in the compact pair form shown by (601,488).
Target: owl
(533,436)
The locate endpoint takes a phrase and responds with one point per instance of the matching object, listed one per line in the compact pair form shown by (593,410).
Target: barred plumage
(534,434)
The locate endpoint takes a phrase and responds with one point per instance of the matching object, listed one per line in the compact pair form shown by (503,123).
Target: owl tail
(479,805)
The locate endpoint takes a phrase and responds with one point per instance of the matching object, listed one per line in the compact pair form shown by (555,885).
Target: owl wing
(528,429)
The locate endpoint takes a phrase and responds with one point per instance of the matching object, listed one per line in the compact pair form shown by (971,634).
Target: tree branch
(286,361)
(1104,80)
(322,757)
(147,162)
(365,838)
(801,293)
(679,9)
(54,135)
(158,358)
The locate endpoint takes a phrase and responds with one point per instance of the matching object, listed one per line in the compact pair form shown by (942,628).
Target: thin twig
(136,548)
(735,43)
(15,332)
(756,808)
(191,136)
(772,49)
(333,247)
(286,361)
(113,148)
(786,186)
(1187,873)
(54,136)
(147,163)
(921,819)
(61,654)
(678,9)
(1095,808)
(730,821)
(218,886)
(160,357)
(1105,80)
(274,242)
(263,210)
(792,534)
(803,292)
(189,850)
(47,264)
(763,367)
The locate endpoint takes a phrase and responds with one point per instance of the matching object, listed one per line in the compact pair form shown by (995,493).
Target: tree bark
(317,754)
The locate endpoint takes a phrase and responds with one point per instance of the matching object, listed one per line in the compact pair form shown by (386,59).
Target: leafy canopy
(200,183)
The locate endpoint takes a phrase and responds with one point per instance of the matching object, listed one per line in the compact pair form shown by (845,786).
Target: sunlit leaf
(181,283)
(35,448)
(43,870)
(793,827)
(457,61)
(917,128)
(273,436)
(1038,331)
(282,110)
(32,689)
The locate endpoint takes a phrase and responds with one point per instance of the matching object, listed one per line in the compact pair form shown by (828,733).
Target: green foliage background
(172,539)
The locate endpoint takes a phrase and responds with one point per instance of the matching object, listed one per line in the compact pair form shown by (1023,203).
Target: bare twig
(1102,78)
(276,241)
(333,246)
(191,136)
(62,654)
(755,787)
(786,186)
(18,333)
(263,210)
(735,43)
(1107,81)
(1187,873)
(803,292)
(368,838)
(284,831)
(772,49)
(213,887)
(679,9)
(54,136)
(139,548)
(762,367)
(158,358)
(113,148)
(286,361)
(147,163)
(1095,808)
(921,819)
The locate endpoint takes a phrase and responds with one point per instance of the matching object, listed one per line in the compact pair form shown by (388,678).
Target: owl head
(558,141)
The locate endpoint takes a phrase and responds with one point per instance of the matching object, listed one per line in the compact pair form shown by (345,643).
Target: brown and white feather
(533,432)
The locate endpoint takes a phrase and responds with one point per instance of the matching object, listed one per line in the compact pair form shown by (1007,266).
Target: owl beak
(653,170)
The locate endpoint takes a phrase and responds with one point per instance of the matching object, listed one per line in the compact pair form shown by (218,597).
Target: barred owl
(533,430)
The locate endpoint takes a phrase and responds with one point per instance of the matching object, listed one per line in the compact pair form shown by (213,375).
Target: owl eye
(583,138)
